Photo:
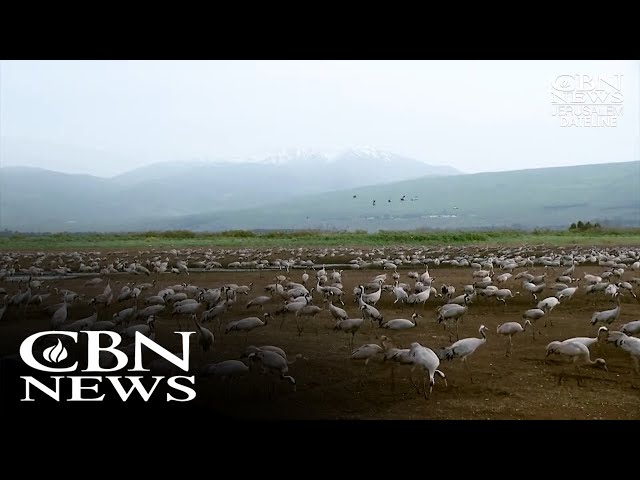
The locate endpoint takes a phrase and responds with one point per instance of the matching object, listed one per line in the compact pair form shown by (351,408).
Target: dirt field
(331,386)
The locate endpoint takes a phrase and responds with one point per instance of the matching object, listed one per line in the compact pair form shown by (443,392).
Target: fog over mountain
(36,199)
(318,192)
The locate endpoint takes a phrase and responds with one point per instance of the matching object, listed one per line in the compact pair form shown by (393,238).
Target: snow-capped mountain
(373,156)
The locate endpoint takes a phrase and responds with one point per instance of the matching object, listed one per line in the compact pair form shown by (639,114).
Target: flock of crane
(304,290)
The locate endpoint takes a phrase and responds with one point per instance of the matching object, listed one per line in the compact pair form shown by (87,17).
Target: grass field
(306,238)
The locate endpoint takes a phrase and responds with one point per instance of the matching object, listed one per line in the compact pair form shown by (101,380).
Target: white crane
(226,370)
(259,301)
(350,325)
(304,299)
(247,324)
(398,356)
(125,315)
(253,349)
(372,313)
(147,329)
(631,328)
(631,345)
(105,297)
(150,310)
(154,300)
(186,309)
(452,312)
(372,298)
(533,288)
(569,271)
(401,323)
(447,291)
(607,316)
(566,293)
(502,294)
(321,272)
(611,290)
(368,351)
(627,286)
(211,296)
(292,307)
(466,298)
(333,291)
(400,294)
(602,335)
(503,277)
(59,317)
(308,311)
(421,297)
(244,288)
(92,282)
(534,314)
(578,352)
(596,287)
(510,329)
(214,313)
(205,338)
(337,312)
(538,279)
(425,277)
(357,292)
(548,304)
(82,324)
(125,294)
(463,348)
(379,278)
(273,364)
(425,358)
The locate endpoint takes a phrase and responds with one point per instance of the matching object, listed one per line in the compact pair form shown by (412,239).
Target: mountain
(68,158)
(547,197)
(34,199)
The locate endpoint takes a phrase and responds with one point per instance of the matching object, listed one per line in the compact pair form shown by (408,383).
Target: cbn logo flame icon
(55,354)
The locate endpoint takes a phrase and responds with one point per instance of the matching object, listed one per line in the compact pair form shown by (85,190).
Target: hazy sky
(106,117)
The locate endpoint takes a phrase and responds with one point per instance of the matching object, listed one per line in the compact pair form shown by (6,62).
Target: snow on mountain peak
(371,152)
(290,155)
(312,156)
(326,156)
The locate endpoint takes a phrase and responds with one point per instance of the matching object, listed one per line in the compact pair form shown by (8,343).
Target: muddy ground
(331,386)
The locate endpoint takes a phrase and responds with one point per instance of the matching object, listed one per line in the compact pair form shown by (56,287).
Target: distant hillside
(33,199)
(549,197)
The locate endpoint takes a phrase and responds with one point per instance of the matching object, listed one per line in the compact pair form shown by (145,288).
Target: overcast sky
(106,117)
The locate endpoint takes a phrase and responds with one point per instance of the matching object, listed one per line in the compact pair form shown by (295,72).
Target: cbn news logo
(584,100)
(79,384)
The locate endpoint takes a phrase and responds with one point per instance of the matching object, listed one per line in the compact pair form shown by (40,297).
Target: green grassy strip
(242,238)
